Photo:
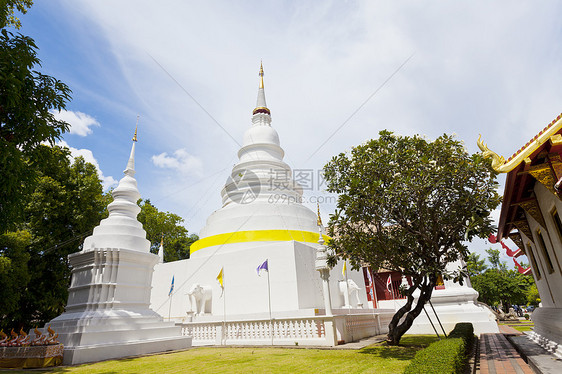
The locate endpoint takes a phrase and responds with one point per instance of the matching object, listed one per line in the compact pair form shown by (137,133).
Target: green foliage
(494,259)
(408,204)
(168,226)
(504,287)
(465,331)
(501,286)
(7,12)
(445,356)
(65,206)
(475,265)
(533,297)
(27,98)
(14,275)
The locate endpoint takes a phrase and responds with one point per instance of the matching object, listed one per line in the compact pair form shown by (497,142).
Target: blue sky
(475,67)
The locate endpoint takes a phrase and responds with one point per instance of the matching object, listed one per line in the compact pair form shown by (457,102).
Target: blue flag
(171,286)
(263,267)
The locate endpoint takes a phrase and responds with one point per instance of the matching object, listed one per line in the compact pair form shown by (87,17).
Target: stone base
(452,305)
(90,336)
(92,353)
(547,331)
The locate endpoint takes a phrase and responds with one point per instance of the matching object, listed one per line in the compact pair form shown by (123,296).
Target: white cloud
(107,181)
(181,161)
(478,67)
(80,123)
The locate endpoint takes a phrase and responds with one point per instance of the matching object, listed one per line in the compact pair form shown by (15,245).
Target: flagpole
(170,307)
(375,299)
(224,308)
(346,285)
(269,301)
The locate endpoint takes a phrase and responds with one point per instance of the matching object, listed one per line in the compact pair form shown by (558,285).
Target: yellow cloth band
(257,236)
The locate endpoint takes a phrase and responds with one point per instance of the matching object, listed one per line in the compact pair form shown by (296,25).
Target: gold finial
(136,127)
(319,218)
(261,74)
(162,240)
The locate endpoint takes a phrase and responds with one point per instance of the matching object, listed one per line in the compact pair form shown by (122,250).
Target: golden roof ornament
(136,127)
(162,240)
(319,222)
(261,106)
(501,165)
(261,74)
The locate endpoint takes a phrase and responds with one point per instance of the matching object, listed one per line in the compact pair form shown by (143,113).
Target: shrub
(465,331)
(441,357)
(447,355)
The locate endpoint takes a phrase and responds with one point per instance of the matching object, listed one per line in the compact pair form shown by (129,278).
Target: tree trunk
(396,330)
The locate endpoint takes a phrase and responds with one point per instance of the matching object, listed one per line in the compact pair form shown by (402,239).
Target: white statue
(201,298)
(349,290)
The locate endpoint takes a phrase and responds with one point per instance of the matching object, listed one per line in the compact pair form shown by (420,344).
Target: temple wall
(551,294)
(295,283)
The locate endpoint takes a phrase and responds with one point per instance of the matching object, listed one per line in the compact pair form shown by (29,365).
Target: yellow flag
(219,278)
(344,269)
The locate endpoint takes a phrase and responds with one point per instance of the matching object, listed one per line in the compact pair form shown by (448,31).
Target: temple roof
(503,166)
(539,160)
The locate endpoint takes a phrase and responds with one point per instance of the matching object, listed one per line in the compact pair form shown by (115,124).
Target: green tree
(475,265)
(533,297)
(502,287)
(408,204)
(14,275)
(8,9)
(27,99)
(494,259)
(64,208)
(168,226)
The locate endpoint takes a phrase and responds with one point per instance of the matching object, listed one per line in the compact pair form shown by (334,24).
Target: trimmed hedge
(445,356)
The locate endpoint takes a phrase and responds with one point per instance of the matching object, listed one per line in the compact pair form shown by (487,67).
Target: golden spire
(136,127)
(162,240)
(261,106)
(319,218)
(261,74)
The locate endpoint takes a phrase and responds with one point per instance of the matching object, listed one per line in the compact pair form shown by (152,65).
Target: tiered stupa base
(107,315)
(116,334)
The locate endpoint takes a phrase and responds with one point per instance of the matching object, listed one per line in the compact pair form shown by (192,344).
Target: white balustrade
(317,330)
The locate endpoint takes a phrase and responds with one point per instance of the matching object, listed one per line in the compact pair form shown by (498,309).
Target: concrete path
(538,358)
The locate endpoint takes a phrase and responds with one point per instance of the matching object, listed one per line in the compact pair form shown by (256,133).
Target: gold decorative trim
(261,109)
(501,165)
(523,227)
(543,174)
(531,206)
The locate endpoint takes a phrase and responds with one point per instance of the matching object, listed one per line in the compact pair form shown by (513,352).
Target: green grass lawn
(378,358)
(523,325)
(523,328)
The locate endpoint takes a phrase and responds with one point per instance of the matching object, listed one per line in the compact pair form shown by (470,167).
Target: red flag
(389,282)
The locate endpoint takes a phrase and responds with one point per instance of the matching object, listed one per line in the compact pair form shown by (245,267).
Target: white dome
(261,201)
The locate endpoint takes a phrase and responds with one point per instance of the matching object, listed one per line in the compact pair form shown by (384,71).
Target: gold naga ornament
(501,165)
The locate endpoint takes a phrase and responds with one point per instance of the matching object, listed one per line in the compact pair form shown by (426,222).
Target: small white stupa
(107,314)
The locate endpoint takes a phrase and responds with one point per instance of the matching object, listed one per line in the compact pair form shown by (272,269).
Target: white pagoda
(261,218)
(107,314)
